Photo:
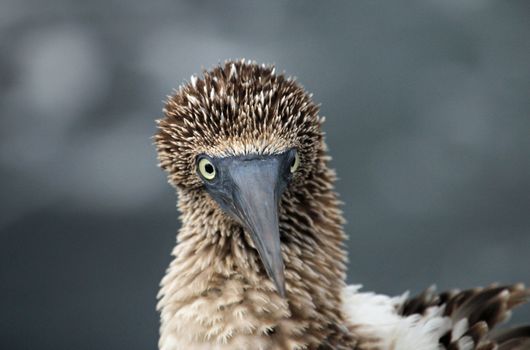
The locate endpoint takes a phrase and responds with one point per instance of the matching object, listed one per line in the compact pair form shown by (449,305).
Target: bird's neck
(216,294)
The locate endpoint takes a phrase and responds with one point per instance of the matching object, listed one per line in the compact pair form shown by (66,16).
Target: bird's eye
(295,163)
(206,169)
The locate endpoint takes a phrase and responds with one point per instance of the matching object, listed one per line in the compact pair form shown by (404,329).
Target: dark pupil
(208,168)
(294,161)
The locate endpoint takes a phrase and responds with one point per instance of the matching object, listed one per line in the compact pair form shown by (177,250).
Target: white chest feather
(377,316)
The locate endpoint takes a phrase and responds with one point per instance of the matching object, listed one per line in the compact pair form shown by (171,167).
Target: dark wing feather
(483,308)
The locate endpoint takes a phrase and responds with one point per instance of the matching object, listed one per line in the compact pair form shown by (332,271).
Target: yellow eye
(296,163)
(206,169)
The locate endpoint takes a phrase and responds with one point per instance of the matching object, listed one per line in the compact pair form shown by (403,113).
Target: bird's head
(246,137)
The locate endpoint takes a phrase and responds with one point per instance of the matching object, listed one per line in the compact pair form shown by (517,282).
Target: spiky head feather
(237,108)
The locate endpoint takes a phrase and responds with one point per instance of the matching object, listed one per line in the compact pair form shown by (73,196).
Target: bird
(260,260)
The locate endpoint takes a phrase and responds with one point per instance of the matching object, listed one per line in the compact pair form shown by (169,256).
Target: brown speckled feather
(244,108)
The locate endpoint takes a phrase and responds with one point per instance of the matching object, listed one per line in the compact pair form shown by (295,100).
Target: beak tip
(279,283)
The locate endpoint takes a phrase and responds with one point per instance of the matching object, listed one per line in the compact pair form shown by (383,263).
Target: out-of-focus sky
(427,105)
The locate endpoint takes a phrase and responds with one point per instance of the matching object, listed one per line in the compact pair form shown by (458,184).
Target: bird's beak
(256,186)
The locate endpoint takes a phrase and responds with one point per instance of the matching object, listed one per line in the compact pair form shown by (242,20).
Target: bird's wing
(452,320)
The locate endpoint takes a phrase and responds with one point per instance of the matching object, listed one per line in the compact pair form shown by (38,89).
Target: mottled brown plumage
(216,293)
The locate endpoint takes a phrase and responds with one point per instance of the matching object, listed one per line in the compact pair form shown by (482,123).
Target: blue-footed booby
(260,261)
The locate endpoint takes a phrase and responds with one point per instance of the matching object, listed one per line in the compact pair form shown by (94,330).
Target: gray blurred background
(427,104)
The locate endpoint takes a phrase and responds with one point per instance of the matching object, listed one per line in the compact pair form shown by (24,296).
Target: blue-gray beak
(249,189)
